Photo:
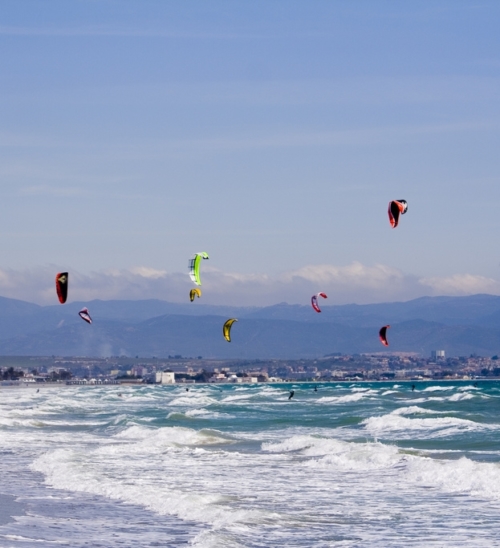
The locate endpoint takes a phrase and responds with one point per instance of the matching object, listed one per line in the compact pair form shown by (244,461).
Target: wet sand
(9,508)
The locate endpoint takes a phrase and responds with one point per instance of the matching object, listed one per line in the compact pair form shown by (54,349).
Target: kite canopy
(314,301)
(383,335)
(193,293)
(226,329)
(194,266)
(84,315)
(396,208)
(62,286)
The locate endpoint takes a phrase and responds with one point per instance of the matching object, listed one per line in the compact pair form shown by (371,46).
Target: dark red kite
(383,335)
(62,286)
(396,208)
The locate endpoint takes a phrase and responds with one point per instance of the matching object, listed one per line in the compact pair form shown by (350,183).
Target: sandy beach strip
(9,508)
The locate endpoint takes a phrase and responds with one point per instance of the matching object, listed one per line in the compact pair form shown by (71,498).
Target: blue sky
(270,134)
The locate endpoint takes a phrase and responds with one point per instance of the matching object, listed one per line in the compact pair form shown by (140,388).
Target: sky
(271,134)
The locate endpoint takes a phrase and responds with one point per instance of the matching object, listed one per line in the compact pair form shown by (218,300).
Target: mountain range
(459,325)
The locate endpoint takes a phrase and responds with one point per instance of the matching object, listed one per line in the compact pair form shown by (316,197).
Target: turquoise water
(353,464)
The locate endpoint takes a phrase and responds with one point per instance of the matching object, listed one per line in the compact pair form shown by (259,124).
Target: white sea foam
(44,422)
(270,392)
(455,476)
(454,397)
(460,397)
(236,398)
(336,453)
(172,435)
(196,414)
(206,414)
(66,469)
(414,410)
(341,399)
(462,476)
(28,539)
(403,427)
(194,400)
(423,400)
(160,477)
(364,390)
(438,388)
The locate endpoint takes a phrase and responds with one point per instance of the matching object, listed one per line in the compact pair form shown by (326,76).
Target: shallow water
(361,464)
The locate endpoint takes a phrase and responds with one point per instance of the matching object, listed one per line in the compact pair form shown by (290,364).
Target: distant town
(381,366)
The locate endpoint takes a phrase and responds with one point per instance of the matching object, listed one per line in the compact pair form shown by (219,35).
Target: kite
(396,208)
(193,293)
(84,315)
(62,286)
(383,335)
(314,301)
(226,329)
(194,266)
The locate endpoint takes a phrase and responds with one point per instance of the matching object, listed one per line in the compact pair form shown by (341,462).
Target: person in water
(187,389)
(292,392)
(315,388)
(412,387)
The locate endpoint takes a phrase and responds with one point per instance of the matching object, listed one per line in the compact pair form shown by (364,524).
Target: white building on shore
(165,377)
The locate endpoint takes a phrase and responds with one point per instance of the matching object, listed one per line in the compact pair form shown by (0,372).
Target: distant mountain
(21,318)
(448,310)
(137,311)
(459,325)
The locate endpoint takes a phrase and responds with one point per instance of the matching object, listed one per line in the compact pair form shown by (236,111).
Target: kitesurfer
(412,387)
(292,392)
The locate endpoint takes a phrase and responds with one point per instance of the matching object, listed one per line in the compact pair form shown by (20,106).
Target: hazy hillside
(447,310)
(459,325)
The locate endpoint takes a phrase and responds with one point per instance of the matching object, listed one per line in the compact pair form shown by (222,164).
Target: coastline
(288,382)
(9,509)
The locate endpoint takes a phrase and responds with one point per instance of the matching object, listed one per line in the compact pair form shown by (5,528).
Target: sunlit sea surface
(354,464)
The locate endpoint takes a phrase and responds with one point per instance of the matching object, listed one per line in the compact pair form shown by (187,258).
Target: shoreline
(180,384)
(10,509)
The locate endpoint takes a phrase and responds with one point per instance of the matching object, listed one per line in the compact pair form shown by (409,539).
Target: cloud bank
(354,283)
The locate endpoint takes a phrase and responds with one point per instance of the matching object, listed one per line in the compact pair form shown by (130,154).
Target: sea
(337,465)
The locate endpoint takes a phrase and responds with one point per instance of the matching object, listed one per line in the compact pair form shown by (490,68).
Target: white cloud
(354,283)
(146,272)
(355,274)
(462,284)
